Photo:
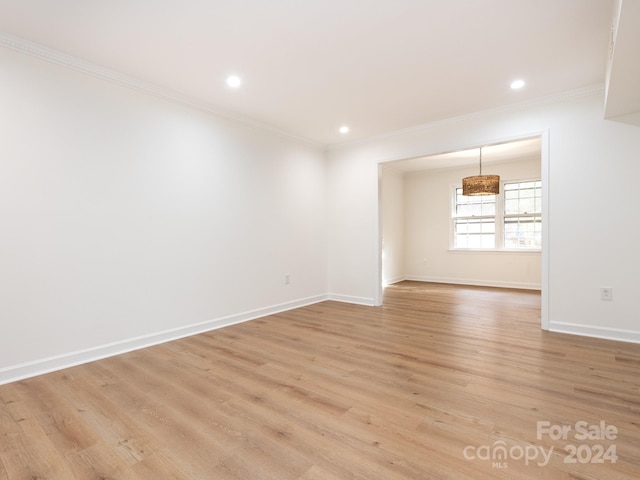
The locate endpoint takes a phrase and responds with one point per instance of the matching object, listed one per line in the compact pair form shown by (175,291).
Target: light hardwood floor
(423,388)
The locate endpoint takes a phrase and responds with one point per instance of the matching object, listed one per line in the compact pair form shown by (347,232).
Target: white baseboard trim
(22,371)
(393,280)
(369,302)
(620,335)
(479,283)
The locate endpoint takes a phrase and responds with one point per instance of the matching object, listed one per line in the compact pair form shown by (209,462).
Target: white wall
(127,220)
(593,164)
(392,210)
(352,186)
(427,205)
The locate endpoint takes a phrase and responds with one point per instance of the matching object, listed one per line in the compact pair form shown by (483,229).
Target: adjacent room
(432,232)
(238,242)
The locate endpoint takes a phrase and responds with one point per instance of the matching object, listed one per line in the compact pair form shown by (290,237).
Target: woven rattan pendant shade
(481,184)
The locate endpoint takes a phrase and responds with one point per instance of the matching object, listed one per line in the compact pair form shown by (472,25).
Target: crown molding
(559,97)
(69,61)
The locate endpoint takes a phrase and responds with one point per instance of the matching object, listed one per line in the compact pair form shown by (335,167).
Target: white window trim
(499,227)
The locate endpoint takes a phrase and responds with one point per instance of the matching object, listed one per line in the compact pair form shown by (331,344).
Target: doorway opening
(420,237)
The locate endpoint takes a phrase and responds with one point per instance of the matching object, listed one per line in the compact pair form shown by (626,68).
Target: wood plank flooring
(434,385)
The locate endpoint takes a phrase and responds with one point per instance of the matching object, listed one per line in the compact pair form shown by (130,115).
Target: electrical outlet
(287,279)
(606,293)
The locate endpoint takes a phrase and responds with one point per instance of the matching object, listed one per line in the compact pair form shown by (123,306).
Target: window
(511,220)
(523,215)
(474,221)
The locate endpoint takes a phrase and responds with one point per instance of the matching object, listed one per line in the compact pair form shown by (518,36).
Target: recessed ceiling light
(517,84)
(344,129)
(234,81)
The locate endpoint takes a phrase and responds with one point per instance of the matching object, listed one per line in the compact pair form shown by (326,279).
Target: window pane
(474,227)
(463,211)
(510,194)
(523,232)
(474,233)
(489,209)
(475,209)
(527,205)
(488,241)
(461,241)
(479,205)
(511,206)
(474,242)
(523,197)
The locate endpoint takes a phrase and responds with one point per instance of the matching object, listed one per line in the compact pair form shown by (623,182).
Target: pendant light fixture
(481,184)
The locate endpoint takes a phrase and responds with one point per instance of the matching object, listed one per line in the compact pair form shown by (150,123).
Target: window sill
(536,251)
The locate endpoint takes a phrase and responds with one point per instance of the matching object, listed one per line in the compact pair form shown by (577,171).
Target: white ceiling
(310,66)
